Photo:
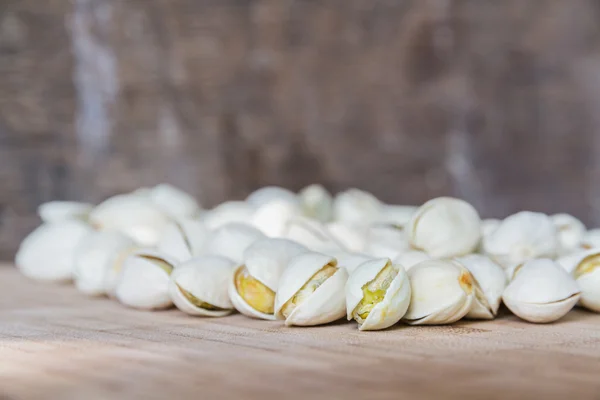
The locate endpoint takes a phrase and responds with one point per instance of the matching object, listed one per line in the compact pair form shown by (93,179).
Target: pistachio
(316,203)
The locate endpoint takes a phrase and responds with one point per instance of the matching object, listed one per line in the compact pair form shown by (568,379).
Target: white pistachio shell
(174,202)
(409,259)
(489,225)
(541,292)
(144,281)
(317,202)
(113,274)
(351,237)
(570,231)
(183,239)
(445,227)
(491,279)
(55,211)
(392,307)
(95,256)
(271,218)
(312,234)
(522,237)
(356,207)
(591,240)
(398,215)
(48,252)
(386,241)
(349,261)
(203,279)
(265,261)
(315,302)
(227,213)
(584,267)
(267,194)
(442,293)
(134,215)
(232,240)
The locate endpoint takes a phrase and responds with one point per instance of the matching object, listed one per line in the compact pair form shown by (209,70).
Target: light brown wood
(58,343)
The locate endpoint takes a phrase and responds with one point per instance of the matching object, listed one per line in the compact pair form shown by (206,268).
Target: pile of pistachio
(311,258)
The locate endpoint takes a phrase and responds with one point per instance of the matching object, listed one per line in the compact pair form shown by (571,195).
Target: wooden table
(58,343)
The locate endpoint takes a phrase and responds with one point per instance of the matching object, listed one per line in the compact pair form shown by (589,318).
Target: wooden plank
(58,343)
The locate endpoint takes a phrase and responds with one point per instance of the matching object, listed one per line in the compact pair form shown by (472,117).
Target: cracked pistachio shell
(316,202)
(312,234)
(397,215)
(584,267)
(377,294)
(183,239)
(144,281)
(271,218)
(94,257)
(56,211)
(231,241)
(570,232)
(227,213)
(541,292)
(268,194)
(262,267)
(410,258)
(490,279)
(113,274)
(174,201)
(311,291)
(199,286)
(351,237)
(442,293)
(134,215)
(349,261)
(386,241)
(445,227)
(357,207)
(521,237)
(47,253)
(590,240)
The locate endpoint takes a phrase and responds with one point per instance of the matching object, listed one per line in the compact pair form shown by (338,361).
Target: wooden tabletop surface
(58,343)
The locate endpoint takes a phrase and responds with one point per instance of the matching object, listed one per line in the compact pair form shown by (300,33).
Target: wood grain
(57,343)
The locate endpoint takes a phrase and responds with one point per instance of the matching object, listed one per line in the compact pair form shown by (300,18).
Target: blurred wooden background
(494,101)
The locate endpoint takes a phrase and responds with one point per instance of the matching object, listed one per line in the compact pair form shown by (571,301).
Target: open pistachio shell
(183,239)
(445,227)
(442,293)
(47,253)
(356,207)
(386,241)
(316,202)
(267,194)
(377,294)
(584,267)
(590,240)
(490,279)
(521,237)
(227,213)
(351,237)
(311,291)
(144,281)
(55,211)
(254,283)
(199,286)
(312,234)
(113,274)
(231,241)
(410,258)
(541,292)
(94,257)
(271,218)
(134,215)
(570,231)
(174,202)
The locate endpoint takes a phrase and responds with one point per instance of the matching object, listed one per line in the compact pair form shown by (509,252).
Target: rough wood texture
(57,343)
(493,101)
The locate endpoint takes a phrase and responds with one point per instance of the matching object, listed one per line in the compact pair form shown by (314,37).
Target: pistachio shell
(398,215)
(199,286)
(183,239)
(113,274)
(174,202)
(489,225)
(591,240)
(409,259)
(312,234)
(144,281)
(584,266)
(386,241)
(94,256)
(522,237)
(442,293)
(267,194)
(317,202)
(390,306)
(445,227)
(134,215)
(231,241)
(357,207)
(489,277)
(47,253)
(351,237)
(541,292)
(227,213)
(570,231)
(56,211)
(321,301)
(271,218)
